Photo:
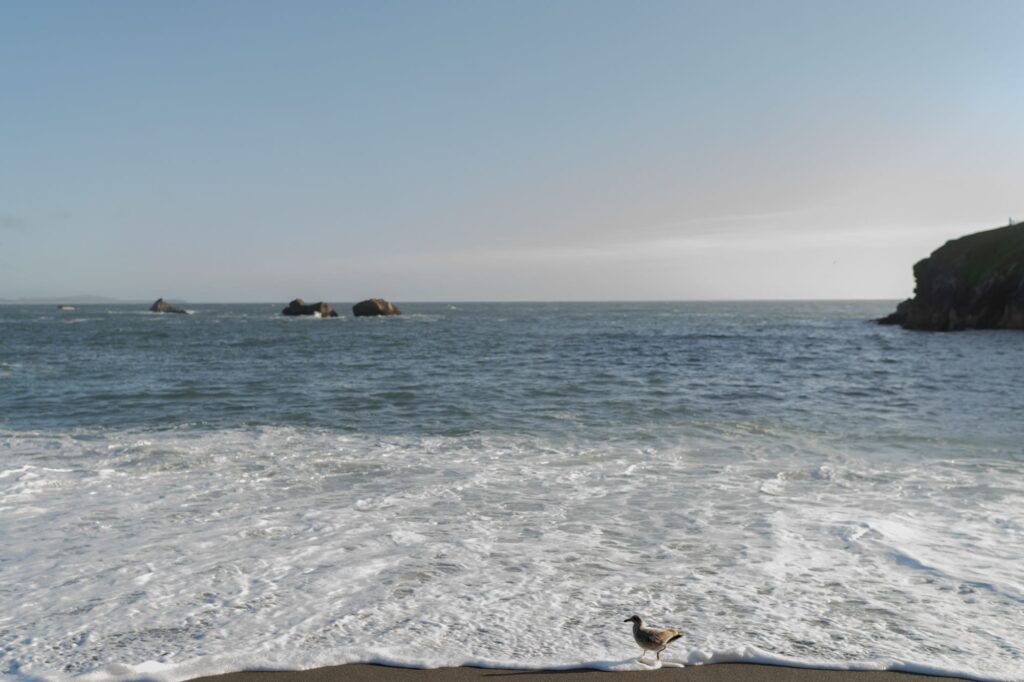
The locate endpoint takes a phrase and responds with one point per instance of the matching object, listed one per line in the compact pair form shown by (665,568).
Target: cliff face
(975,282)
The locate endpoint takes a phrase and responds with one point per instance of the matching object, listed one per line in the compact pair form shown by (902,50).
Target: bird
(652,639)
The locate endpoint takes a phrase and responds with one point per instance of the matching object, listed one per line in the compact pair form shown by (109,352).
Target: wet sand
(720,672)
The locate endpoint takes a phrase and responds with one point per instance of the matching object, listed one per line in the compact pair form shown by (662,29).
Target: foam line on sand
(722,672)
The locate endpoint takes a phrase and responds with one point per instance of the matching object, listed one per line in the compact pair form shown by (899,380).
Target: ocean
(504,484)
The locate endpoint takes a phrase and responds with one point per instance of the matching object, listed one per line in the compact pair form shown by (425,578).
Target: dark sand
(720,672)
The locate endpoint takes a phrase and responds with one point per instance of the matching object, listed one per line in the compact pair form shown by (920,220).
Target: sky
(216,151)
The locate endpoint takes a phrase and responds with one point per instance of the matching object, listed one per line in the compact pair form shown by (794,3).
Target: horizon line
(70,300)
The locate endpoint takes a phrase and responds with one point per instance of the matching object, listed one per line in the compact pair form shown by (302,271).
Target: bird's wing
(665,636)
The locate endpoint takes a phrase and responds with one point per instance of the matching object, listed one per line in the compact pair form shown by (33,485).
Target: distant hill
(69,300)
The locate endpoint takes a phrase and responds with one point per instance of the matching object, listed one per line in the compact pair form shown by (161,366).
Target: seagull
(652,639)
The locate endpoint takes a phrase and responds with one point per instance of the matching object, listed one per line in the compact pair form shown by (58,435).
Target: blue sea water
(503,484)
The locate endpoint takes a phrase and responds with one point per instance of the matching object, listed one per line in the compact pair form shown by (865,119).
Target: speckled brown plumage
(652,639)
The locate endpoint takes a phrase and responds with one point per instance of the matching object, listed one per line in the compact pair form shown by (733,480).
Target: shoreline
(716,672)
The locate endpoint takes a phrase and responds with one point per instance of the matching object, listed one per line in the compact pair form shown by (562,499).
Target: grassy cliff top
(977,256)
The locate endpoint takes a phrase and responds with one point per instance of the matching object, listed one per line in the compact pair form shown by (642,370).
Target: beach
(442,341)
(722,672)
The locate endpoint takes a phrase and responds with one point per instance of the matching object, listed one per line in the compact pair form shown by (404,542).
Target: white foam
(171,554)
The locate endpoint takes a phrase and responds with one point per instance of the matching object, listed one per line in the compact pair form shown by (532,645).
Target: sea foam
(169,554)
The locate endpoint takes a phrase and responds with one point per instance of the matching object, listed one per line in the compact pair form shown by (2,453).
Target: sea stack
(162,306)
(300,307)
(374,307)
(975,282)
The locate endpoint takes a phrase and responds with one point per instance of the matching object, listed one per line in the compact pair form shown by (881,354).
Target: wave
(172,553)
(230,663)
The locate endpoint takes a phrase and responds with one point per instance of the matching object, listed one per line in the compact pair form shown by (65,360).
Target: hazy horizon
(341,303)
(458,151)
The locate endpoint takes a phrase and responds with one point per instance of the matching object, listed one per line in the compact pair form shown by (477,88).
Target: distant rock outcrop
(162,306)
(373,307)
(300,307)
(975,282)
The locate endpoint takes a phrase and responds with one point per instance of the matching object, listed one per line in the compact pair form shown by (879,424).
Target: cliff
(975,282)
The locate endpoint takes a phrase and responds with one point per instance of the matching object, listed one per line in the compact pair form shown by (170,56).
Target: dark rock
(300,307)
(975,282)
(162,306)
(373,307)
(898,316)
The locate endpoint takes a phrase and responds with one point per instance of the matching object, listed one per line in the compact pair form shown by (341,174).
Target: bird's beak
(627,620)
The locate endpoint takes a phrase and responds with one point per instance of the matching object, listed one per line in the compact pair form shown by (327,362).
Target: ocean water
(504,484)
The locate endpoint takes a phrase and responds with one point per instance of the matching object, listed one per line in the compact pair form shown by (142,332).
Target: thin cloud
(12,222)
(740,218)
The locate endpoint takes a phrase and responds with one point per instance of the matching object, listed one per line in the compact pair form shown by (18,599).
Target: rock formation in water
(373,307)
(162,306)
(300,307)
(975,282)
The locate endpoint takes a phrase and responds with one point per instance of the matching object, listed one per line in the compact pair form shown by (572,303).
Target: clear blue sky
(516,150)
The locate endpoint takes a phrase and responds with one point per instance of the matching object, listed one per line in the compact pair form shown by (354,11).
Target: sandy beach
(722,672)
